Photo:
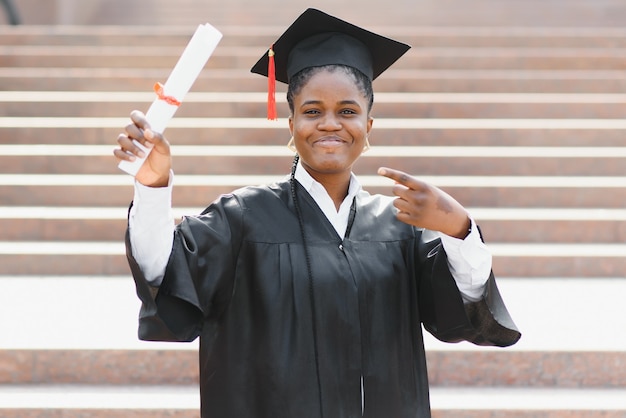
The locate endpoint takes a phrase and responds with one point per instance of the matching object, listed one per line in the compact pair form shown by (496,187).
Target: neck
(336,186)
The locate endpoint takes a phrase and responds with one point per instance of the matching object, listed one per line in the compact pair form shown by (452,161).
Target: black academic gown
(237,278)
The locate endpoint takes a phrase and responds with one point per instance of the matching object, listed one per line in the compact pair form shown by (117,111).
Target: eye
(311,112)
(348,112)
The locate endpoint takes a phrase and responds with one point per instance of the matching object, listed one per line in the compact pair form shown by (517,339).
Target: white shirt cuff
(470,263)
(151,228)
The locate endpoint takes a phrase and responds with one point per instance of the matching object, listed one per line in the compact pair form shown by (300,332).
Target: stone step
(368,181)
(259,131)
(501,225)
(245,57)
(469,151)
(413,80)
(159,13)
(183,402)
(30,160)
(67,401)
(264,35)
(525,403)
(268,165)
(51,344)
(412,124)
(380,110)
(555,325)
(447,368)
(388,105)
(509,259)
(197,190)
(199,194)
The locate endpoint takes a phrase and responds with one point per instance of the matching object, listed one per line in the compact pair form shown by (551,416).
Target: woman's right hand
(155,171)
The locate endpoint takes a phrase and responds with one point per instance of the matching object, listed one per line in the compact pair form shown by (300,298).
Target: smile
(329,142)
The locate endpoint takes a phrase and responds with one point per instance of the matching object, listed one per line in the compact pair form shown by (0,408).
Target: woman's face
(330,123)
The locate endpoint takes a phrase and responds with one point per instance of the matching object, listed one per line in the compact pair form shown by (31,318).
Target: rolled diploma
(187,69)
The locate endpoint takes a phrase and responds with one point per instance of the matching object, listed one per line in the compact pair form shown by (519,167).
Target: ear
(291,125)
(370,122)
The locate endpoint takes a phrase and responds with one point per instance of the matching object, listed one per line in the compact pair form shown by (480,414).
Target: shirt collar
(311,185)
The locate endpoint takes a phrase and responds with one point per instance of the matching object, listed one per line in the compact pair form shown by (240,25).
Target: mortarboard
(315,39)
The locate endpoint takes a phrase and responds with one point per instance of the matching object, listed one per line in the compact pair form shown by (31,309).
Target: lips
(329,141)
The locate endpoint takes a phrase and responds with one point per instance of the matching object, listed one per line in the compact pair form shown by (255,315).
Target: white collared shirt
(338,218)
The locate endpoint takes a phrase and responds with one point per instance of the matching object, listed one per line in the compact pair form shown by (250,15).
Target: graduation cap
(315,39)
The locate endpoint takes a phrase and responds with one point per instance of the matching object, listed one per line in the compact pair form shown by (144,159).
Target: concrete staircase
(521,123)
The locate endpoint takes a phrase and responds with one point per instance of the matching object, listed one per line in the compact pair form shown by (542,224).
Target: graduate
(309,295)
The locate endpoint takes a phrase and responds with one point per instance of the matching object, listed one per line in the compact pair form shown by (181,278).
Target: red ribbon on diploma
(158,89)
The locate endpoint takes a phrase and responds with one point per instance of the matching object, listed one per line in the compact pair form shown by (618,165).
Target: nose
(329,122)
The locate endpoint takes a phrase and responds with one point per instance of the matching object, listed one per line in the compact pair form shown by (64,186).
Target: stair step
(39,159)
(95,180)
(498,249)
(278,135)
(158,56)
(399,131)
(381,123)
(499,225)
(509,259)
(163,401)
(567,315)
(103,398)
(484,214)
(528,401)
(201,195)
(417,36)
(469,151)
(417,80)
(449,367)
(388,105)
(380,111)
(600,13)
(506,231)
(536,360)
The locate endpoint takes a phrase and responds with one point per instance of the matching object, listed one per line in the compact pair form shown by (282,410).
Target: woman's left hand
(426,206)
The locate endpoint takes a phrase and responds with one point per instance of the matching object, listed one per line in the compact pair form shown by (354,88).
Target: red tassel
(271,86)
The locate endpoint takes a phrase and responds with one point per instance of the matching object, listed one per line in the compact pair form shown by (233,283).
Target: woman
(309,294)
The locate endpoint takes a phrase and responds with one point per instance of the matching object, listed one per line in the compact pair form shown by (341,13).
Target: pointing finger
(399,177)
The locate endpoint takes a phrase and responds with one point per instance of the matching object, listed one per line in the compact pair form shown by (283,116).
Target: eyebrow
(342,102)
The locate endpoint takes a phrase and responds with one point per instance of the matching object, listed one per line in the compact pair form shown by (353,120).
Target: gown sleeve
(198,279)
(447,317)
